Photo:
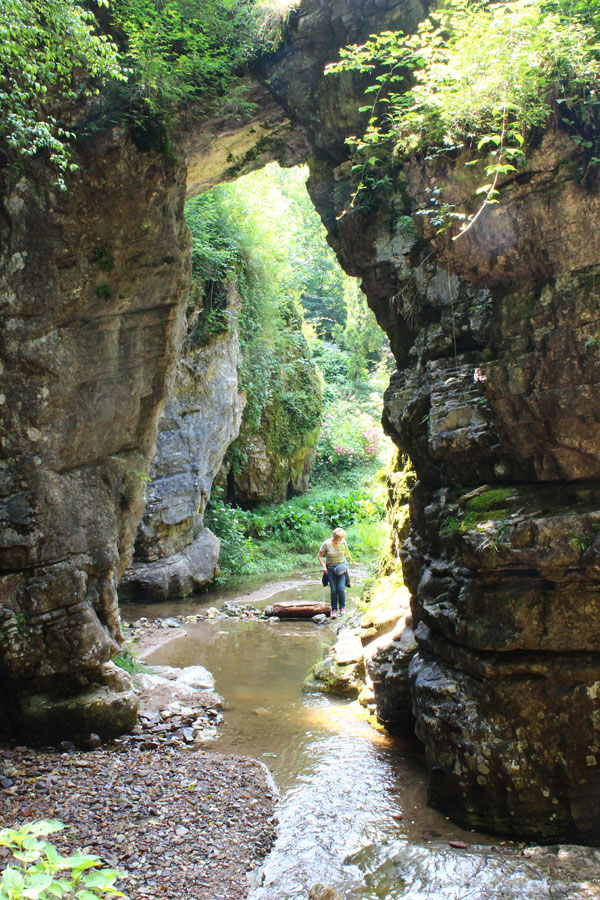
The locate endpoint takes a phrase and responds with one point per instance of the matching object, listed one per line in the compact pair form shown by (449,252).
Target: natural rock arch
(492,410)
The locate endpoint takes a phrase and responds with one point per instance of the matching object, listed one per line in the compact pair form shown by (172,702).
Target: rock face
(174,553)
(270,477)
(92,283)
(496,401)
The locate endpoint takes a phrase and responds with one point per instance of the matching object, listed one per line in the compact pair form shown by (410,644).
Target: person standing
(332,556)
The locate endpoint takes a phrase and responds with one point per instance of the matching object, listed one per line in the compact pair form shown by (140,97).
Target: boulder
(174,576)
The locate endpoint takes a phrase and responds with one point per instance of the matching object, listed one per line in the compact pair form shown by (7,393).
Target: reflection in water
(343,784)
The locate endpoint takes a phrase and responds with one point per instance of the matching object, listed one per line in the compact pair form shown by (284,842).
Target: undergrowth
(286,537)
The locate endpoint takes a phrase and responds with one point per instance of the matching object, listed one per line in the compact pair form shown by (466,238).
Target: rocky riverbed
(177,820)
(178,824)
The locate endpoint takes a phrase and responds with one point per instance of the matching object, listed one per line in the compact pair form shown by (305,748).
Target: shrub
(478,75)
(348,438)
(232,526)
(128,660)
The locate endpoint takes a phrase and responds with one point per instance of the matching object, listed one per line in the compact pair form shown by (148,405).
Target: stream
(353,810)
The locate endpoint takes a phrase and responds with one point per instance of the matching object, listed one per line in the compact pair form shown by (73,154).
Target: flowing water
(351,797)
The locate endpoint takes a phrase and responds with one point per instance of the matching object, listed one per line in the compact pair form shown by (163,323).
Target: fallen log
(298,609)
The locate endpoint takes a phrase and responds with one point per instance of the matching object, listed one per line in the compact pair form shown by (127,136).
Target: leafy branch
(38,871)
(481,77)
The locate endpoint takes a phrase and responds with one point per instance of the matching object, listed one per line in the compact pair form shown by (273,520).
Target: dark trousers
(337,586)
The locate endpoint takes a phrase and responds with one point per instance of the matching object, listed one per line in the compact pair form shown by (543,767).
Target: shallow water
(343,784)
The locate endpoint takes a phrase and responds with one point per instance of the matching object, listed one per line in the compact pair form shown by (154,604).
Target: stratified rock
(174,553)
(496,401)
(45,718)
(91,324)
(388,671)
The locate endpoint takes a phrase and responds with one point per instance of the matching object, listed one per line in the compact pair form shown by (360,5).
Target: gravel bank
(181,824)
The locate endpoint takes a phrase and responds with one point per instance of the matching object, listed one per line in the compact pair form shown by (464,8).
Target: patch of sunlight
(274,14)
(387,599)
(347,719)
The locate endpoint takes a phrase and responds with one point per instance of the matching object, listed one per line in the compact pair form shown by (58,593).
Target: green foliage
(237,237)
(128,660)
(104,258)
(262,235)
(138,59)
(104,290)
(493,498)
(231,525)
(260,540)
(37,871)
(349,437)
(179,50)
(51,53)
(479,75)
(361,337)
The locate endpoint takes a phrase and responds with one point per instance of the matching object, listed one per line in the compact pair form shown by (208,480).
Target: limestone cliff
(92,283)
(496,402)
(174,553)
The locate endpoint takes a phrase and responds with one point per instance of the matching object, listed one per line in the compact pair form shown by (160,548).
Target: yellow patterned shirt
(333,555)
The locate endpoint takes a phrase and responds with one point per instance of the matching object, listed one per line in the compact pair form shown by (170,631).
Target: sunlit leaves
(34,873)
(51,53)
(182,49)
(481,74)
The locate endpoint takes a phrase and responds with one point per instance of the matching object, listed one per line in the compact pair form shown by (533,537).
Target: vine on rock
(482,77)
(51,54)
(139,61)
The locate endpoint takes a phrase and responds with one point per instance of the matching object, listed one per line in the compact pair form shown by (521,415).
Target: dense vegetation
(482,76)
(263,232)
(68,65)
(236,239)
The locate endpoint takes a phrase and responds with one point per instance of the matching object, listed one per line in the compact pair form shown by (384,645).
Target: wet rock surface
(176,823)
(455,870)
(365,643)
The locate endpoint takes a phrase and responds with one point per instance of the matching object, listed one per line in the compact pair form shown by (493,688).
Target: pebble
(134,807)
(93,742)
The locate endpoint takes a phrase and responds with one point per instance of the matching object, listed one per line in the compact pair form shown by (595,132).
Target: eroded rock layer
(497,402)
(174,553)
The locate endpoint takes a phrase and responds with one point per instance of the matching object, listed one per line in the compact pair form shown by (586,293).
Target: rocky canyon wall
(496,400)
(92,282)
(175,554)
